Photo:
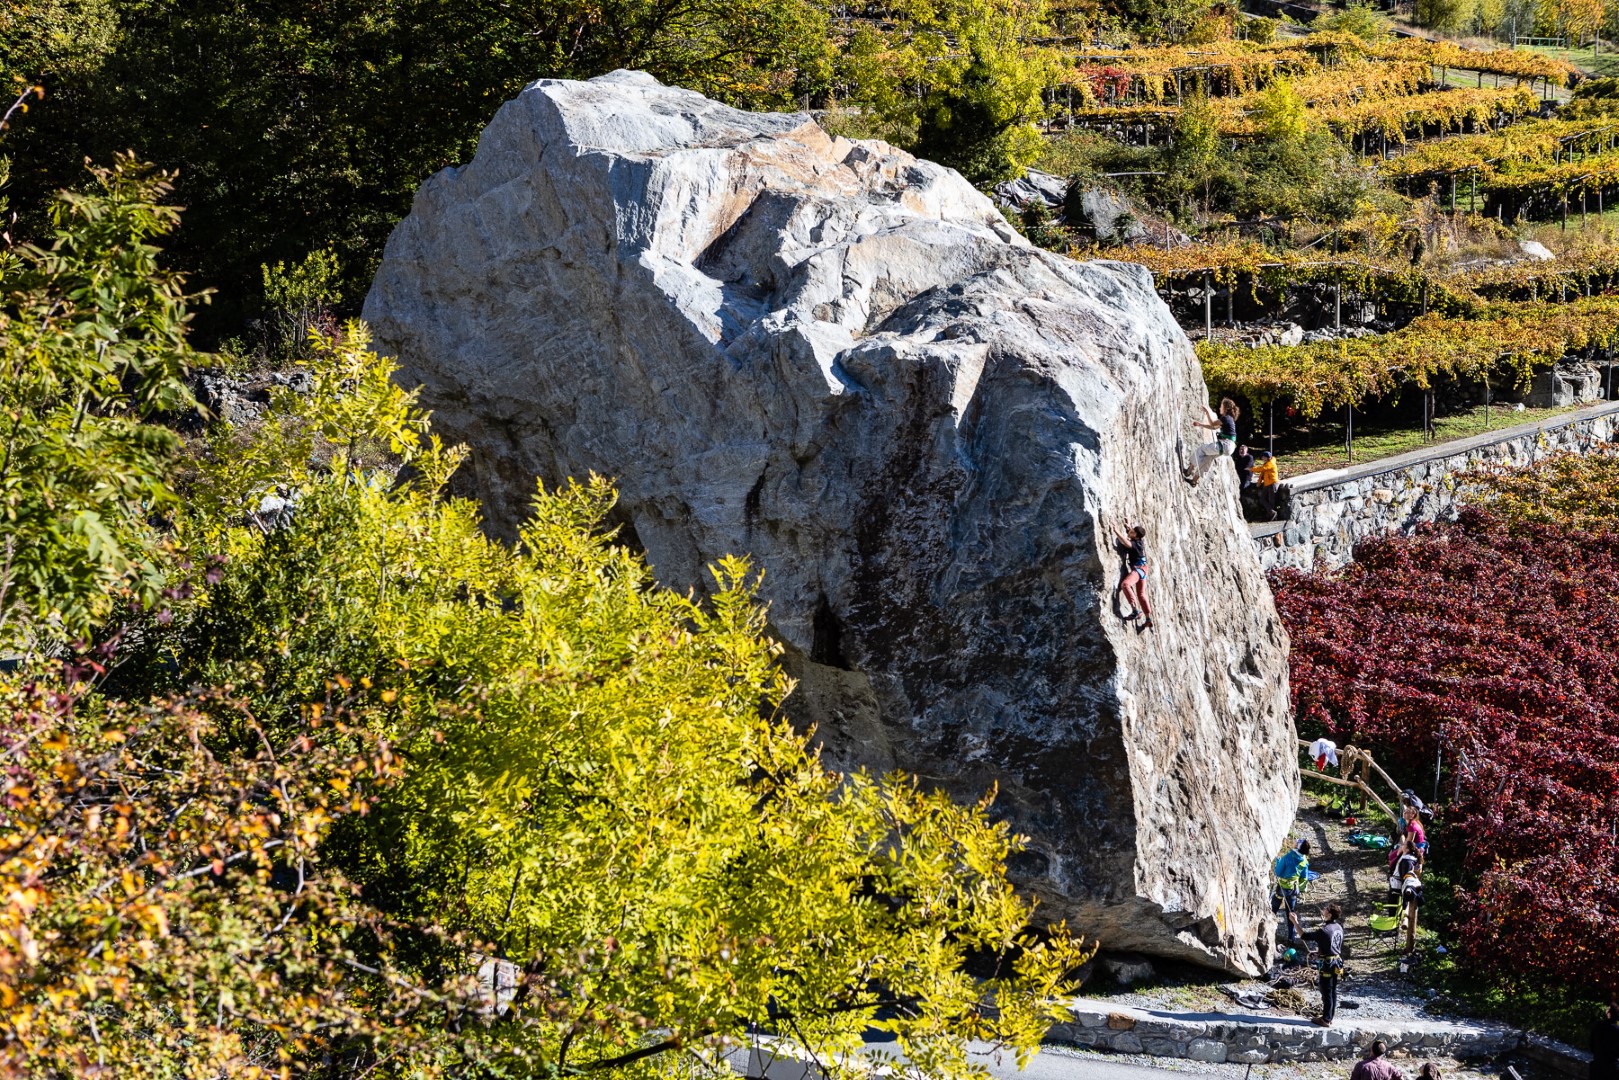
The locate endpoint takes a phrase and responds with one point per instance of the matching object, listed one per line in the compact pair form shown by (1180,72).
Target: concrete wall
(1335,509)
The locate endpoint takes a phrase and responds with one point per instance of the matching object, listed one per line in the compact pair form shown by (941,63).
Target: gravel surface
(1375,988)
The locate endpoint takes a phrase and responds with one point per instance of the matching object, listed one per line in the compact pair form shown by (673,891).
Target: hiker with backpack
(1291,870)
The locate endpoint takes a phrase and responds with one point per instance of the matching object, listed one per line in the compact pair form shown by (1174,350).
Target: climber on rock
(1224,443)
(1133,543)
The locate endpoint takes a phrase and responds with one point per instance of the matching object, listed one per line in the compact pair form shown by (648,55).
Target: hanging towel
(1325,752)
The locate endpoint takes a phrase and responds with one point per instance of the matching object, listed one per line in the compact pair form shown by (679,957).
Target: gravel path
(1350,877)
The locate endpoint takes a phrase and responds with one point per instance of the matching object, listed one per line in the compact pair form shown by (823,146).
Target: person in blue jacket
(1291,870)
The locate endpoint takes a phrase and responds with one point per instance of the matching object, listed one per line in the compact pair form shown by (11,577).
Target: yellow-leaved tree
(485,809)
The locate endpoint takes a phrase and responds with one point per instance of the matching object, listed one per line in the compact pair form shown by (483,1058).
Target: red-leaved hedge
(1498,641)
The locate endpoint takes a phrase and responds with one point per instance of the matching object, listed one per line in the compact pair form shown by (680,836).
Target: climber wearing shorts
(1134,584)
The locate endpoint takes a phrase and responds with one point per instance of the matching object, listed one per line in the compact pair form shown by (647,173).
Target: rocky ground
(1376,989)
(1349,877)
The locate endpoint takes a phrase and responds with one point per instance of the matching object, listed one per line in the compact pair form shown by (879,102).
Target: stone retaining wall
(1334,510)
(1250,1039)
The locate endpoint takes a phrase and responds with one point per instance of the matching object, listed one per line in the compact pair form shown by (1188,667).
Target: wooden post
(1349,432)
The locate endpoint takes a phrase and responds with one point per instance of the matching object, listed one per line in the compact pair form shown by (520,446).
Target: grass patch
(1321,445)
(1602,64)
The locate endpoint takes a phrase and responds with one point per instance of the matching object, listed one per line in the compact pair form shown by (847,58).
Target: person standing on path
(1224,443)
(1329,939)
(1376,1065)
(1290,871)
(1605,1046)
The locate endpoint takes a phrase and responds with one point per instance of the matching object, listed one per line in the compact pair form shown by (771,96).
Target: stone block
(1209,1050)
(634,280)
(1121,1021)
(1164,1047)
(1125,1042)
(1252,1056)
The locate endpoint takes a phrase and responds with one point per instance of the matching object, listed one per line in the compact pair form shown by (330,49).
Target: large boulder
(841,361)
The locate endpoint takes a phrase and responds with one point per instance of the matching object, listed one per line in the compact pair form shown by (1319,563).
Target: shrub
(1487,640)
(92,355)
(1360,19)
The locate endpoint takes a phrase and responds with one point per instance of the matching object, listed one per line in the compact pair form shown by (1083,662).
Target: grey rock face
(841,361)
(1033,188)
(1109,216)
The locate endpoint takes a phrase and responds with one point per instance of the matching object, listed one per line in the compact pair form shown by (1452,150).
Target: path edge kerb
(1246,1038)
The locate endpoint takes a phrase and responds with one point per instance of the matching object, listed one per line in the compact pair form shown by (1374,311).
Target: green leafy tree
(596,783)
(298,300)
(1283,113)
(1443,14)
(94,350)
(50,39)
(959,83)
(1194,150)
(1358,18)
(297,128)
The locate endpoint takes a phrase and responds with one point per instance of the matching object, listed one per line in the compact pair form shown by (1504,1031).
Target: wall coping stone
(1439,451)
(1280,1038)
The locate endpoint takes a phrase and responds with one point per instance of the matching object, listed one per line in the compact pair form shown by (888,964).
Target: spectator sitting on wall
(1259,494)
(1245,467)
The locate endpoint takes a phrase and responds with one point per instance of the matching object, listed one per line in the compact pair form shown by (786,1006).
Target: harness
(1296,882)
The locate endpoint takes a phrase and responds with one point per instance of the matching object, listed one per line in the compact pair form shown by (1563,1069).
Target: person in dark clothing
(1329,940)
(1244,461)
(1605,1046)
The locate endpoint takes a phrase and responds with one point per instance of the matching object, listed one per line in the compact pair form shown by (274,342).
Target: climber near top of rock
(1224,443)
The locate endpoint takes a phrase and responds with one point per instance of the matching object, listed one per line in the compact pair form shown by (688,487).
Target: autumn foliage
(1489,640)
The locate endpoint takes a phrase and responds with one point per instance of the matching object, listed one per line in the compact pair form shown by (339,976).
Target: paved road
(1051,1063)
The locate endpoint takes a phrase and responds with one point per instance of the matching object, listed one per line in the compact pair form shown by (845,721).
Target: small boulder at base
(840,361)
